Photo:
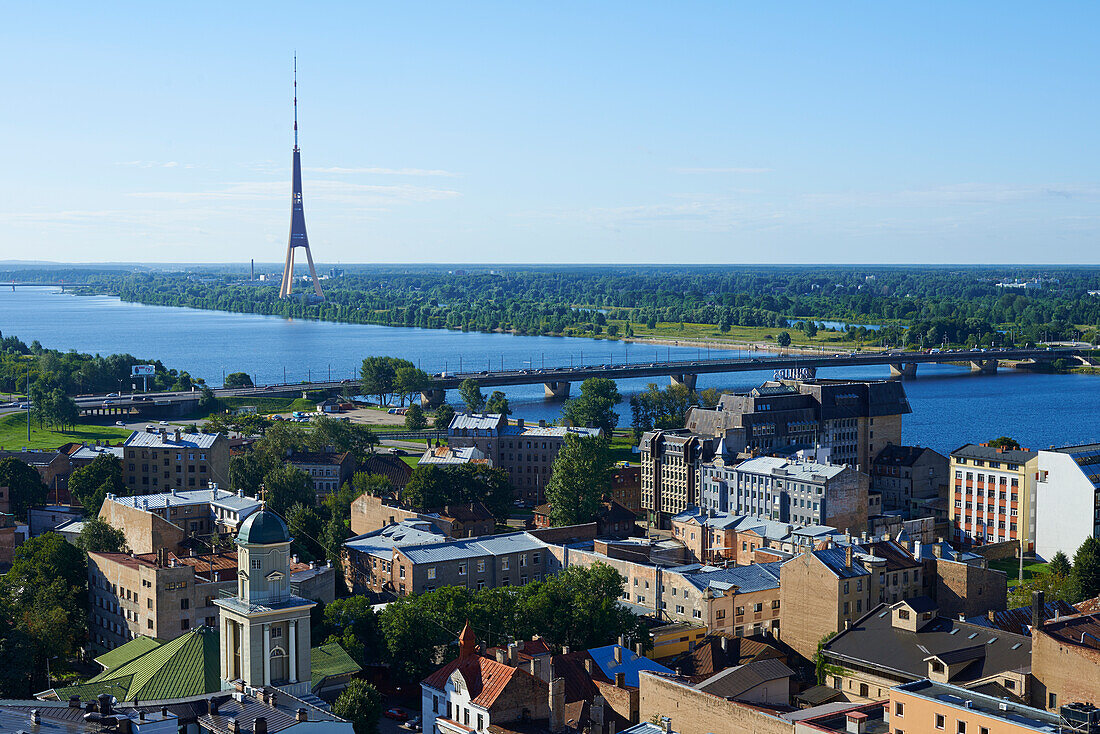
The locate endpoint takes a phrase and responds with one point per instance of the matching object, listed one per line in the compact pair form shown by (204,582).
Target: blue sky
(554,132)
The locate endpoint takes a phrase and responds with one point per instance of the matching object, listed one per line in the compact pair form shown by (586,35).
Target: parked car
(396,714)
(119,423)
(412,724)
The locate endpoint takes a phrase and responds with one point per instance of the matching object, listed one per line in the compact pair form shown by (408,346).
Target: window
(255,564)
(185,603)
(276,631)
(1052,700)
(899,708)
(504,563)
(481,566)
(431,573)
(185,624)
(962,727)
(435,704)
(903,614)
(940,721)
(480,722)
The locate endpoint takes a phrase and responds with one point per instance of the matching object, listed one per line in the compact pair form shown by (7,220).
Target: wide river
(950,406)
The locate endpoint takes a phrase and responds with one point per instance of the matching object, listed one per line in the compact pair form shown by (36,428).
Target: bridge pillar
(903,369)
(686,380)
(556,389)
(984,366)
(432,397)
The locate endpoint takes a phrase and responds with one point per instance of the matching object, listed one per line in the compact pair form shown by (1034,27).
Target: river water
(950,406)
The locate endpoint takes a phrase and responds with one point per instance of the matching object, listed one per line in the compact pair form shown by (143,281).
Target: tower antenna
(295,101)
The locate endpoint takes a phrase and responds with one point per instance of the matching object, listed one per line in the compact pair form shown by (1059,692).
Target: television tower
(298,236)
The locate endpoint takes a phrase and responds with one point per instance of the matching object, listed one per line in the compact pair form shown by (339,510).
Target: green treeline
(959,305)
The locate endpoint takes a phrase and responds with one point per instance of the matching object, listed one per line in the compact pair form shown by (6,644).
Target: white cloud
(720,170)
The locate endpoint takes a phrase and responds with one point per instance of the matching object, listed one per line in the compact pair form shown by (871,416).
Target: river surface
(950,406)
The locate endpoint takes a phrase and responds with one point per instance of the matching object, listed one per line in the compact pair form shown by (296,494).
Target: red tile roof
(485,677)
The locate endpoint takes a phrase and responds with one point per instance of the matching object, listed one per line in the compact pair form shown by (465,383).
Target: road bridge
(557,380)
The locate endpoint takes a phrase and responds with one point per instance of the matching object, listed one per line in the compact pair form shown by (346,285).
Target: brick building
(908,475)
(525,451)
(993,495)
(156,461)
(370,513)
(626,487)
(328,470)
(672,472)
(847,421)
(53,467)
(612,519)
(909,640)
(1065,661)
(164,595)
(172,519)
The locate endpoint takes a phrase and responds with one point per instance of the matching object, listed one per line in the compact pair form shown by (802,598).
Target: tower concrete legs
(556,389)
(288,274)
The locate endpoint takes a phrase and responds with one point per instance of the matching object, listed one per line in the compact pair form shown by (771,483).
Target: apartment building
(1067,499)
(803,492)
(927,705)
(907,476)
(370,513)
(164,595)
(157,460)
(720,537)
(526,451)
(454,456)
(823,591)
(368,558)
(847,421)
(626,487)
(993,495)
(328,470)
(672,472)
(1066,661)
(171,519)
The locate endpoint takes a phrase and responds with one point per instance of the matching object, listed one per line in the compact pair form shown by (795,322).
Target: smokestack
(1038,610)
(618,655)
(620,680)
(252,270)
(557,704)
(848,556)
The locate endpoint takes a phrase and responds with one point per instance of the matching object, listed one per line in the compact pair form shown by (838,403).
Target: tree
(1054,586)
(783,339)
(594,405)
(361,704)
(497,403)
(443,415)
(238,379)
(415,419)
(709,397)
(1085,575)
(1059,564)
(326,431)
(353,624)
(656,408)
(91,484)
(1004,442)
(581,476)
(99,536)
(376,485)
(246,471)
(207,399)
(25,487)
(286,485)
(378,376)
(409,380)
(429,487)
(471,395)
(305,526)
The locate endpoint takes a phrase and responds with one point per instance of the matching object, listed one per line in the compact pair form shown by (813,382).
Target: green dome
(263,528)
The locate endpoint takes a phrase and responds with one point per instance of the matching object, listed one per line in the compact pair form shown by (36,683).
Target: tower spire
(298,236)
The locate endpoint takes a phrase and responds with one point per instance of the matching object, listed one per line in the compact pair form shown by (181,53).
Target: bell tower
(265,636)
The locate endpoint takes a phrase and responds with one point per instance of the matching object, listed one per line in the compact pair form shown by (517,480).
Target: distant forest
(916,305)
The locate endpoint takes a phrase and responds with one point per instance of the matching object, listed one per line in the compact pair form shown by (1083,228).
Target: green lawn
(1011,566)
(13,434)
(622,443)
(743,334)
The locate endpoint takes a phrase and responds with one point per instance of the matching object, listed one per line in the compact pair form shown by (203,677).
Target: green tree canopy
(415,419)
(25,487)
(238,379)
(657,408)
(286,485)
(471,395)
(305,527)
(594,406)
(783,339)
(378,376)
(580,478)
(90,484)
(431,487)
(443,415)
(361,704)
(497,403)
(1085,575)
(353,623)
(99,536)
(1005,442)
(1059,564)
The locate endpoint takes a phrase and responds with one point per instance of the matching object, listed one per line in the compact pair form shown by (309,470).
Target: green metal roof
(263,528)
(185,666)
(329,660)
(125,653)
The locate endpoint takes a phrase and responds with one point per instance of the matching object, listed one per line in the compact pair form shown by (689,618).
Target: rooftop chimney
(618,654)
(557,704)
(1038,610)
(638,648)
(234,726)
(667,722)
(588,665)
(620,680)
(74,702)
(301,715)
(519,423)
(259,726)
(177,435)
(848,556)
(856,722)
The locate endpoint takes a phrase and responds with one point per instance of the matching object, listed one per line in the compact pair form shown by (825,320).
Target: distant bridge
(557,380)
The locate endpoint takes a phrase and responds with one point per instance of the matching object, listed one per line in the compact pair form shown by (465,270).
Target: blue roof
(630,665)
(493,545)
(407,532)
(754,577)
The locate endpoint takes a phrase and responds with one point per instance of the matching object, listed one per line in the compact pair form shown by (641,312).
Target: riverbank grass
(13,434)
